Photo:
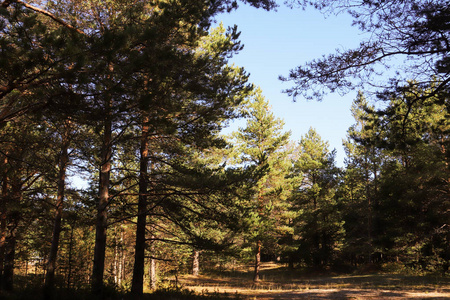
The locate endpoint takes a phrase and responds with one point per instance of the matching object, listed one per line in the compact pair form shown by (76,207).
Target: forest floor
(277,282)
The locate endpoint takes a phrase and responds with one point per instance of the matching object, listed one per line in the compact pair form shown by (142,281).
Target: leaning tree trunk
(137,285)
(101,223)
(51,265)
(257,260)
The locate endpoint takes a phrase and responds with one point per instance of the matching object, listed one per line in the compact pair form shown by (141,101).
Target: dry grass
(278,282)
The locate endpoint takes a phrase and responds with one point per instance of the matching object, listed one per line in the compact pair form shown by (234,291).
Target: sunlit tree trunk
(121,269)
(195,262)
(152,273)
(257,260)
(116,257)
(153,266)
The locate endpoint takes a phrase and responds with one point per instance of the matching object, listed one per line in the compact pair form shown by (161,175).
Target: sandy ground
(323,293)
(279,284)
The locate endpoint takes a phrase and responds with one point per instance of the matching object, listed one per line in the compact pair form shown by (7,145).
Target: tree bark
(257,261)
(152,273)
(10,253)
(51,265)
(369,206)
(195,262)
(3,205)
(69,273)
(291,261)
(137,286)
(101,223)
(121,270)
(116,257)
(10,241)
(152,269)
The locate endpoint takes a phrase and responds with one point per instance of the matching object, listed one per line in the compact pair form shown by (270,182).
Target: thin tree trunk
(369,206)
(49,285)
(69,275)
(152,268)
(10,243)
(316,239)
(116,257)
(291,261)
(9,262)
(137,286)
(101,223)
(3,205)
(195,262)
(257,260)
(291,253)
(152,273)
(121,259)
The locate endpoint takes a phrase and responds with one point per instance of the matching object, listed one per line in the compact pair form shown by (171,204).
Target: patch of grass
(279,278)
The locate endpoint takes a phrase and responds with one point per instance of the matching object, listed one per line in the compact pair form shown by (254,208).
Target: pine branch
(46,13)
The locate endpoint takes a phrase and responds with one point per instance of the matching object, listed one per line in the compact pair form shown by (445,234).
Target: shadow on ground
(280,283)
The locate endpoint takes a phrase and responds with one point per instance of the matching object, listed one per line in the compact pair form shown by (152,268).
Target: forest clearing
(278,282)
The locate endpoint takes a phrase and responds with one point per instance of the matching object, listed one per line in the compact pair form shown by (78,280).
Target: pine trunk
(369,206)
(51,266)
(101,223)
(121,259)
(195,262)
(3,205)
(257,260)
(152,269)
(152,273)
(10,253)
(291,262)
(10,241)
(116,258)
(69,272)
(137,286)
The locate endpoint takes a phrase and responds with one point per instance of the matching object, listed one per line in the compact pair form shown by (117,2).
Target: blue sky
(277,41)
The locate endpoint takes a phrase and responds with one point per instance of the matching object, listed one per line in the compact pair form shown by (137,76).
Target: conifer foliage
(263,144)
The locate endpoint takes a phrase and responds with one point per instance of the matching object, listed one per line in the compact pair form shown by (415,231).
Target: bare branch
(50,15)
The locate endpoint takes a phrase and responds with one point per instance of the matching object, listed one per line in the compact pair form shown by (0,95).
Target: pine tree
(318,224)
(363,165)
(416,138)
(263,144)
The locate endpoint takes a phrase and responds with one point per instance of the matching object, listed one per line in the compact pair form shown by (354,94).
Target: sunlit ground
(278,282)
